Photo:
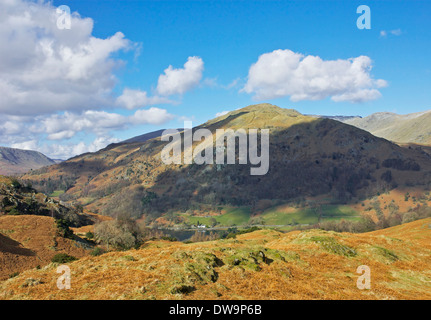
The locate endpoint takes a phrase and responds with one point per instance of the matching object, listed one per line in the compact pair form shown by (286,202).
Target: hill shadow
(11,246)
(309,159)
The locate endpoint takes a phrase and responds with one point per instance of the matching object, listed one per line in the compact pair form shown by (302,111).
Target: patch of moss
(129,258)
(333,246)
(387,254)
(253,258)
(182,289)
(200,268)
(6,231)
(30,282)
(197,268)
(97,251)
(63,258)
(12,211)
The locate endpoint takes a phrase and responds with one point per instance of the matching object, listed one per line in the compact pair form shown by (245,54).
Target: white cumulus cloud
(44,69)
(56,84)
(178,81)
(132,99)
(151,116)
(67,150)
(285,73)
(52,134)
(67,125)
(222,113)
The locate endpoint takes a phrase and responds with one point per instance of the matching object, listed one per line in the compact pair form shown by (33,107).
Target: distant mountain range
(409,128)
(16,161)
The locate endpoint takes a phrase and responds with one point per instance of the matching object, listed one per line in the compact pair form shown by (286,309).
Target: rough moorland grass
(177,271)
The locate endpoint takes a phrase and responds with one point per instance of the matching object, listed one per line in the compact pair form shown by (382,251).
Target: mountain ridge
(408,128)
(18,161)
(309,157)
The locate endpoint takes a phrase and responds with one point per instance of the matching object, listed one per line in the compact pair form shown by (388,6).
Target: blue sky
(229,37)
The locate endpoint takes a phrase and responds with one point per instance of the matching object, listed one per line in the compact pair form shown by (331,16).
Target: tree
(16,184)
(122,234)
(213,222)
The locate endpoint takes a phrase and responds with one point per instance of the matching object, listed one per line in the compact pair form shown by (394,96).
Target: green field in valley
(309,215)
(57,193)
(233,217)
(241,216)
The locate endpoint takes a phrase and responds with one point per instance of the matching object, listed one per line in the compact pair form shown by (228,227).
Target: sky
(116,69)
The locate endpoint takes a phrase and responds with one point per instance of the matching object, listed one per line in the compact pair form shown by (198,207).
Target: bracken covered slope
(308,157)
(28,241)
(260,265)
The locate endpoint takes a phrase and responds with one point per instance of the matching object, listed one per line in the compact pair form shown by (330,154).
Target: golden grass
(261,265)
(27,241)
(5,180)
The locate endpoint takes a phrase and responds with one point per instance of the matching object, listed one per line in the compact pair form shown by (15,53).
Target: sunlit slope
(28,241)
(307,157)
(260,265)
(261,116)
(409,128)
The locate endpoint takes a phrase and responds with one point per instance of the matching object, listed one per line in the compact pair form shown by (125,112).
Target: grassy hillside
(309,158)
(263,264)
(276,216)
(309,215)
